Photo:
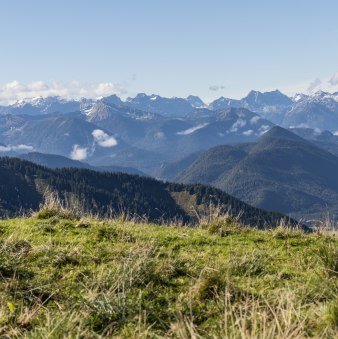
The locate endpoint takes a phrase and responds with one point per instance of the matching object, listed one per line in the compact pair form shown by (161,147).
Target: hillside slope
(23,185)
(281,172)
(54,161)
(68,278)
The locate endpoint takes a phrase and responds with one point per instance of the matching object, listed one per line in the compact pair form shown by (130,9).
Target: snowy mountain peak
(299,97)
(195,101)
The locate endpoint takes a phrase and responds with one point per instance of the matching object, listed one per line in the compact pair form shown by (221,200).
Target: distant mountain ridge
(267,103)
(319,110)
(147,131)
(164,106)
(280,172)
(57,162)
(104,134)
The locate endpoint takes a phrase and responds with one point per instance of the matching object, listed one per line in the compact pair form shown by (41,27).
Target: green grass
(70,278)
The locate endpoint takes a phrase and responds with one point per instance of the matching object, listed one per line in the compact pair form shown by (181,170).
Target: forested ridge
(23,186)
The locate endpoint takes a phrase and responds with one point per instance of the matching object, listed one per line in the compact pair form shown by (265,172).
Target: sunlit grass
(68,277)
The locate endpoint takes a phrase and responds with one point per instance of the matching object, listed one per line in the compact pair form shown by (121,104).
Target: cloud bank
(15,91)
(327,85)
(314,85)
(334,79)
(192,129)
(14,148)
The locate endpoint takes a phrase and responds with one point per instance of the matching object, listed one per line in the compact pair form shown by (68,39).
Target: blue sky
(173,48)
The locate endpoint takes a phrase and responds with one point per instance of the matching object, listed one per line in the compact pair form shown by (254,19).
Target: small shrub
(53,206)
(45,213)
(63,259)
(48,213)
(8,263)
(83,224)
(332,315)
(66,225)
(284,233)
(19,246)
(328,256)
(105,313)
(223,227)
(163,271)
(209,285)
(250,265)
(107,233)
(46,226)
(112,234)
(11,258)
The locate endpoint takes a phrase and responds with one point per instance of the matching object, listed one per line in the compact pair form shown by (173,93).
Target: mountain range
(280,172)
(103,134)
(187,140)
(318,110)
(147,131)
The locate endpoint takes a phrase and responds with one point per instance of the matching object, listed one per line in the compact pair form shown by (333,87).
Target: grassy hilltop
(63,277)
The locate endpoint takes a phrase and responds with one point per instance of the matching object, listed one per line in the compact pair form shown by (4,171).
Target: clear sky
(172,48)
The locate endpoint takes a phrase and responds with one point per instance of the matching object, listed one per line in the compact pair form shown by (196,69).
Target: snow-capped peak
(299,96)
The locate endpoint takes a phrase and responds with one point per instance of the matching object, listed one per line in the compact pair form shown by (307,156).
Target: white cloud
(302,125)
(14,148)
(248,132)
(100,138)
(326,84)
(192,129)
(329,84)
(5,149)
(108,88)
(314,86)
(23,147)
(103,139)
(79,153)
(15,91)
(216,88)
(334,80)
(238,124)
(254,119)
(264,127)
(317,131)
